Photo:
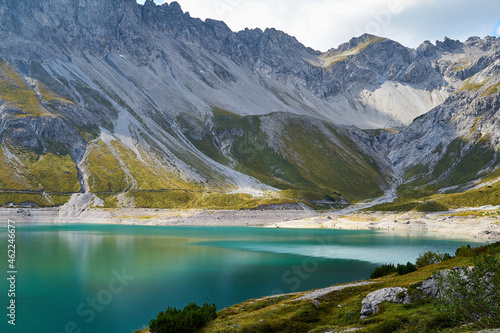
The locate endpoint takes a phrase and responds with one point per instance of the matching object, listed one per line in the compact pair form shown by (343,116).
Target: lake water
(111,278)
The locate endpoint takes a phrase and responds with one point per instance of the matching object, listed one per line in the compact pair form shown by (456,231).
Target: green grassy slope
(299,154)
(339,311)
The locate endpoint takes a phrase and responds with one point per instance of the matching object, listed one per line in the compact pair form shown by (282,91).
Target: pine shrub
(190,319)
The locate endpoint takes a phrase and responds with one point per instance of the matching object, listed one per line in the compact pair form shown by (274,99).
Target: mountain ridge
(152,99)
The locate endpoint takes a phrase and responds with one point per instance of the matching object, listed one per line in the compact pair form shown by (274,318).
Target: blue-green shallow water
(61,267)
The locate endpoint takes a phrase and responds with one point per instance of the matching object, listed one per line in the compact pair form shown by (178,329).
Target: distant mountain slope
(125,100)
(455,147)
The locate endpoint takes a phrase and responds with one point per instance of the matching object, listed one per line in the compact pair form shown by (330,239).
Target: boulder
(370,304)
(430,286)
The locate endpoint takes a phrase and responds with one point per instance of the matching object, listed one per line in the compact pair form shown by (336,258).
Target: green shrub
(383,270)
(405,269)
(493,247)
(429,257)
(464,251)
(479,250)
(473,295)
(446,256)
(190,319)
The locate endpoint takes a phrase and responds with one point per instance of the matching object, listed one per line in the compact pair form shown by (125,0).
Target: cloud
(323,24)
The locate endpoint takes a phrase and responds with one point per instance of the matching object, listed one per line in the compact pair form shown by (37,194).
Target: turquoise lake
(113,279)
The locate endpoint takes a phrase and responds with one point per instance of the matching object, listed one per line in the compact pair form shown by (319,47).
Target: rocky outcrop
(45,134)
(431,286)
(370,305)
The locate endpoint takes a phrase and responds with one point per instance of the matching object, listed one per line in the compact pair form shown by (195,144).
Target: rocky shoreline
(481,223)
(157,217)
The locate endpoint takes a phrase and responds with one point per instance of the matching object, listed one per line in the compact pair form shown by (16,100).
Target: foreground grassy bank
(338,309)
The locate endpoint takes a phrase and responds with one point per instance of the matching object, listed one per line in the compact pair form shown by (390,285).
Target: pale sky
(323,24)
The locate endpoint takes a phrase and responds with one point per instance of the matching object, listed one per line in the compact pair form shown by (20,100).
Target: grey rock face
(370,304)
(45,134)
(90,25)
(429,287)
(449,44)
(101,26)
(469,115)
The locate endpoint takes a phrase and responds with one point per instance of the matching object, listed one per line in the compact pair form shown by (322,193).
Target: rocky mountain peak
(427,49)
(354,42)
(449,45)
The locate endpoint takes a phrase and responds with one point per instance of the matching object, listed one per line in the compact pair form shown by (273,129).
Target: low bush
(405,269)
(493,247)
(429,257)
(468,251)
(464,251)
(383,270)
(473,295)
(190,319)
(387,269)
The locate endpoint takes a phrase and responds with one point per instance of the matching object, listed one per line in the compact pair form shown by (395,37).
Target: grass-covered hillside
(292,153)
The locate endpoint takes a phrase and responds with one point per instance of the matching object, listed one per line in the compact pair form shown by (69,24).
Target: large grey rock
(370,304)
(431,286)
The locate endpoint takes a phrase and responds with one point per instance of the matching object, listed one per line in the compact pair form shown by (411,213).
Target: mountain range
(144,106)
